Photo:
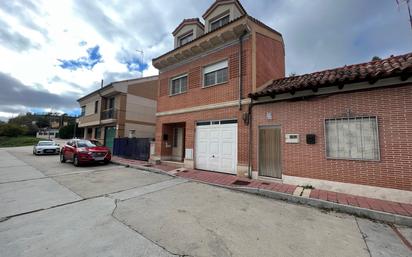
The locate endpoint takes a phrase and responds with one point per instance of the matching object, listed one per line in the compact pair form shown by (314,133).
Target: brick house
(225,105)
(203,86)
(120,109)
(351,124)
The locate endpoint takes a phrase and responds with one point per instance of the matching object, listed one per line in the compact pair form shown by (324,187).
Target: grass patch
(18,141)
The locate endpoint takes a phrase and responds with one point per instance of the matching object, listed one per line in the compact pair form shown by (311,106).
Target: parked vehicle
(81,151)
(46,147)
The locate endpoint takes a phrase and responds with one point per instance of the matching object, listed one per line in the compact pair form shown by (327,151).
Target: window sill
(351,159)
(218,84)
(178,94)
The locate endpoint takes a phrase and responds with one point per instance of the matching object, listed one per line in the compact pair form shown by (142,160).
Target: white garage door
(216,146)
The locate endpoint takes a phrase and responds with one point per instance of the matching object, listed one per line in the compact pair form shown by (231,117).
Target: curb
(317,203)
(321,204)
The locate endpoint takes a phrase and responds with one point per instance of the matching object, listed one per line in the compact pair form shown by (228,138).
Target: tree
(12,130)
(66,132)
(376,58)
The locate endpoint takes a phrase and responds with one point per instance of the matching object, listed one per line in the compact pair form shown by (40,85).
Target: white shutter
(215,67)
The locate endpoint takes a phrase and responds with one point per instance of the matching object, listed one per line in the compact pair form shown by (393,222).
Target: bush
(12,130)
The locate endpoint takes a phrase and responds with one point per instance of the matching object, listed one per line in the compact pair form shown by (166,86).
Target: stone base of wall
(355,189)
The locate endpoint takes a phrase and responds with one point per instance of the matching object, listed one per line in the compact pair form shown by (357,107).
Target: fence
(133,148)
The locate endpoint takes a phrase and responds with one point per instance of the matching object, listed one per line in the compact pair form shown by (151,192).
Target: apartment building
(204,83)
(120,109)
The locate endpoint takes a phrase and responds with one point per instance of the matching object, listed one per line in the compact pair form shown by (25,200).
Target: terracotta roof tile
(369,71)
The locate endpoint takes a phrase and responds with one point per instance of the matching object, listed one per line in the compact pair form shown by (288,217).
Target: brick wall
(393,108)
(270,59)
(196,95)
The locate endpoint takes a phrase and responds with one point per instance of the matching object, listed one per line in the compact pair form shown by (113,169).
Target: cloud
(318,34)
(14,40)
(88,62)
(16,97)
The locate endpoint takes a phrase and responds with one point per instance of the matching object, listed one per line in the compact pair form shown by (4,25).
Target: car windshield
(85,143)
(95,142)
(42,143)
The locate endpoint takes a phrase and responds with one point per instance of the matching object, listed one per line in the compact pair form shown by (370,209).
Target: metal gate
(133,148)
(269,152)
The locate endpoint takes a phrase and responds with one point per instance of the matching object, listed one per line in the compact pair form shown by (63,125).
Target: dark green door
(110,133)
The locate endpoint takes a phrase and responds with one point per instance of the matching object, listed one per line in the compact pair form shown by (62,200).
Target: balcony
(109,114)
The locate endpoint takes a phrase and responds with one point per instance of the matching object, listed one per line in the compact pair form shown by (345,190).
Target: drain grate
(241,183)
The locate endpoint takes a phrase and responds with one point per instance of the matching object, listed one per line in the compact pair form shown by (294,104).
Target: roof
(220,2)
(363,72)
(188,21)
(116,82)
(218,29)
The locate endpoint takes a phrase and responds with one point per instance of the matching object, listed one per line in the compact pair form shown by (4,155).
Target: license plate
(99,158)
(49,151)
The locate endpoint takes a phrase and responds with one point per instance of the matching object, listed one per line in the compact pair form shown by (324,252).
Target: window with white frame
(185,39)
(178,85)
(219,22)
(215,74)
(352,138)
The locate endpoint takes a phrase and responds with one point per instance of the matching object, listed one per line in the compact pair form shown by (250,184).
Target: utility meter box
(292,138)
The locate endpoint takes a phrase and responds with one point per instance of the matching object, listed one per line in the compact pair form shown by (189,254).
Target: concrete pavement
(115,211)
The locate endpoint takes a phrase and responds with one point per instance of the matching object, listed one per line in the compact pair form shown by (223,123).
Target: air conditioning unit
(292,138)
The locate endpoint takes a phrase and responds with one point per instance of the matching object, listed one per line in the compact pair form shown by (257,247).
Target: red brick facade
(393,108)
(197,95)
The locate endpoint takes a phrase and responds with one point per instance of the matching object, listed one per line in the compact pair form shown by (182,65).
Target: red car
(81,151)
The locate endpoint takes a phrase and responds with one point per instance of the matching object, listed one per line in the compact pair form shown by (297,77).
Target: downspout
(250,121)
(240,68)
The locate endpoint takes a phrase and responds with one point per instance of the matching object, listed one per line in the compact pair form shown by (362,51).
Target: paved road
(54,209)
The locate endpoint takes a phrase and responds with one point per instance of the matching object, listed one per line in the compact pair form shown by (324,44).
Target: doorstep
(381,210)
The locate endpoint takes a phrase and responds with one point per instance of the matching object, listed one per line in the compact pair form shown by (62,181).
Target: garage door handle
(213,156)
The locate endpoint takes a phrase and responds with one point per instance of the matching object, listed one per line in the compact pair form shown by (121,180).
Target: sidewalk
(359,205)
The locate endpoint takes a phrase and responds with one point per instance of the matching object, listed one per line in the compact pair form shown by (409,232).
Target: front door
(177,148)
(269,152)
(109,135)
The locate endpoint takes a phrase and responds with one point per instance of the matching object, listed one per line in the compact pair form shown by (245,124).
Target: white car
(46,147)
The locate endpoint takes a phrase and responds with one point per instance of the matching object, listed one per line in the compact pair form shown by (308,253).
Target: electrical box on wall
(310,139)
(189,154)
(292,138)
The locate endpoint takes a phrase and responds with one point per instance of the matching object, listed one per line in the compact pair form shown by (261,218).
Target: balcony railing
(109,114)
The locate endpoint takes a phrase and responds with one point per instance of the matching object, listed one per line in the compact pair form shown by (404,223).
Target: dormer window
(185,39)
(219,22)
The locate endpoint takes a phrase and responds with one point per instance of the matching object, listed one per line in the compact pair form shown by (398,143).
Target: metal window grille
(354,138)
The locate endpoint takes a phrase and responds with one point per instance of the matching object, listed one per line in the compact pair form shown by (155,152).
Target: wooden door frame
(258,149)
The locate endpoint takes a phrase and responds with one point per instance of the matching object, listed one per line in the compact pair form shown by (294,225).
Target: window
(111,103)
(178,85)
(185,39)
(96,106)
(215,74)
(352,138)
(219,23)
(97,133)
(83,111)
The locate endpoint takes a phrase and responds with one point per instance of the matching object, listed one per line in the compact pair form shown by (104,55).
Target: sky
(53,52)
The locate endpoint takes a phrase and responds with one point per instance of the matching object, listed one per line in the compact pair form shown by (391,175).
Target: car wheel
(62,159)
(106,162)
(76,161)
